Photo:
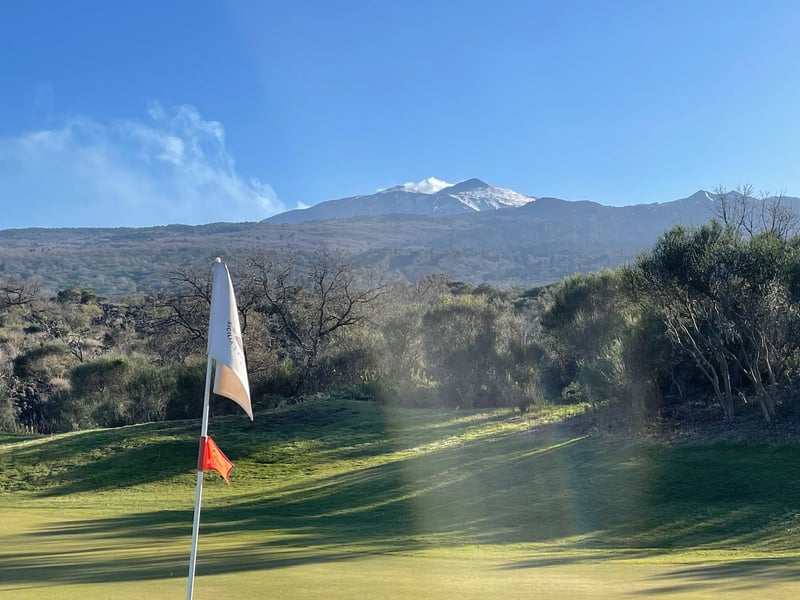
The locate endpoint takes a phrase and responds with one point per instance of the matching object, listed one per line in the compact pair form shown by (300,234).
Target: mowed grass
(339,499)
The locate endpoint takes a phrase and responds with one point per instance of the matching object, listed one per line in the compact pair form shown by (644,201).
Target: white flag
(225,341)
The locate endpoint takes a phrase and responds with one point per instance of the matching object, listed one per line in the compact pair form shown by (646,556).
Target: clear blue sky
(143,113)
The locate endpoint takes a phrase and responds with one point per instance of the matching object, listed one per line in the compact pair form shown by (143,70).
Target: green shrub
(186,399)
(110,392)
(148,389)
(8,411)
(47,361)
(278,381)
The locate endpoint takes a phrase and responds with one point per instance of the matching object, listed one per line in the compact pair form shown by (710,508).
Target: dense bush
(44,362)
(710,314)
(8,411)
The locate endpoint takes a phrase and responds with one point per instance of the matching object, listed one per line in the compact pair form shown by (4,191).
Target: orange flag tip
(211,458)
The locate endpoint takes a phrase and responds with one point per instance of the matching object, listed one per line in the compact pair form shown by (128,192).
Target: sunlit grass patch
(337,481)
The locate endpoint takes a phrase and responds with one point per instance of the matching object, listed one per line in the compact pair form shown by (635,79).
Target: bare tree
(754,215)
(15,292)
(178,326)
(180,321)
(309,305)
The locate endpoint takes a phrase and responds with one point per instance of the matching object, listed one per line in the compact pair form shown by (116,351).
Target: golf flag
(225,341)
(211,458)
(230,380)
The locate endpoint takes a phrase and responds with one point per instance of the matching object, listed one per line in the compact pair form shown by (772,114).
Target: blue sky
(147,113)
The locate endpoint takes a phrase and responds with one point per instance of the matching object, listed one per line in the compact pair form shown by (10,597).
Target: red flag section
(211,458)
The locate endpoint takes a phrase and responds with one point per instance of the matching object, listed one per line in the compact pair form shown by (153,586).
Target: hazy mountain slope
(536,243)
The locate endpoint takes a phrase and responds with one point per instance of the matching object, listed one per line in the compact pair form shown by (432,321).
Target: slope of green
(327,484)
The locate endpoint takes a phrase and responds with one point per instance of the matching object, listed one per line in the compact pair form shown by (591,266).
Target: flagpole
(199,493)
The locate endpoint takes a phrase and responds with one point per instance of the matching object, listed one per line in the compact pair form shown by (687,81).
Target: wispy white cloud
(431,185)
(173,167)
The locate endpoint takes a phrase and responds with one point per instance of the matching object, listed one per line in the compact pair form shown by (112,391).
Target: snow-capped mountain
(475,199)
(468,196)
(477,195)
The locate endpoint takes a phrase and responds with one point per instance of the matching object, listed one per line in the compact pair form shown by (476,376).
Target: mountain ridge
(475,195)
(537,243)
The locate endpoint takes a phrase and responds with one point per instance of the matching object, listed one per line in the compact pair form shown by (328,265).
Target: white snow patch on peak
(492,198)
(703,195)
(431,185)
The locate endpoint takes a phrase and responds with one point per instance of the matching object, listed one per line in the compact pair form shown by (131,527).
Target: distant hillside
(535,243)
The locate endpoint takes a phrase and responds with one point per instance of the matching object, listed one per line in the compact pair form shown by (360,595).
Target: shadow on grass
(743,575)
(129,456)
(97,460)
(749,575)
(541,486)
(104,566)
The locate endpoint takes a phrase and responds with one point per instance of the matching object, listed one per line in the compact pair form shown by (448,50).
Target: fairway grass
(338,499)
(92,567)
